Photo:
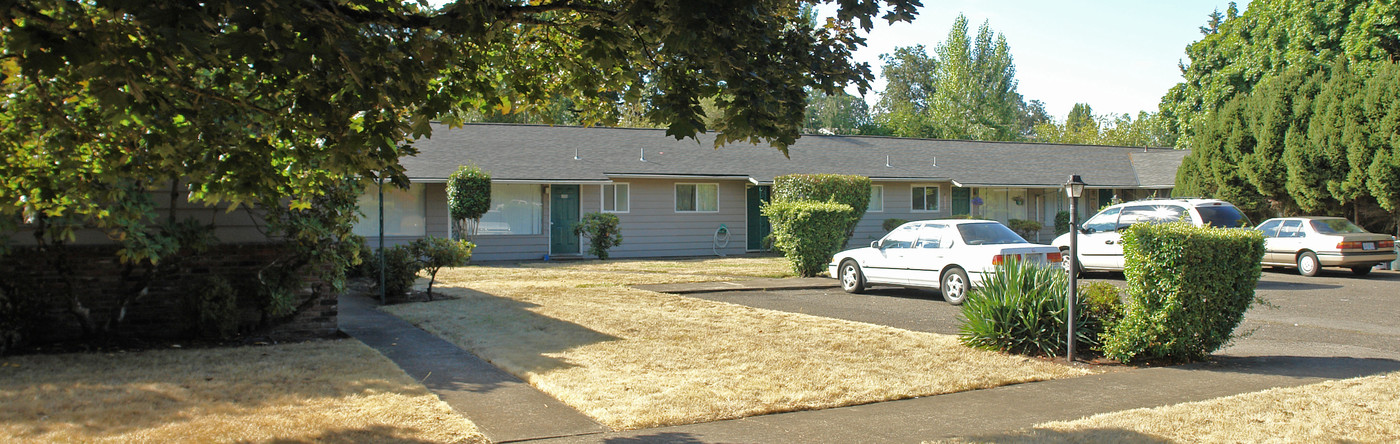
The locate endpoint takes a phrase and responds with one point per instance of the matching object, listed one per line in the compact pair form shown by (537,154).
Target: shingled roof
(538,153)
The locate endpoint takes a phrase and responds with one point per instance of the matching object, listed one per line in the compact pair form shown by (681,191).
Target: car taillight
(1348,245)
(1385,244)
(1053,257)
(1003,258)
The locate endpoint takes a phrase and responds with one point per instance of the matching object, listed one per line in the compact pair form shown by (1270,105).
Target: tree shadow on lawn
(375,434)
(504,331)
(1339,367)
(45,394)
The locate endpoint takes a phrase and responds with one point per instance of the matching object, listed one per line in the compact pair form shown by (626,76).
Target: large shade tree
(250,101)
(271,104)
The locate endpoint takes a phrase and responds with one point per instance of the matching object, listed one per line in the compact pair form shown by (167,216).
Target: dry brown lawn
(324,391)
(1363,409)
(682,270)
(633,359)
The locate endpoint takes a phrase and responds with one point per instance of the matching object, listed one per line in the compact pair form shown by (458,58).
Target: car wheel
(1307,264)
(955,286)
(851,279)
(1064,263)
(1362,270)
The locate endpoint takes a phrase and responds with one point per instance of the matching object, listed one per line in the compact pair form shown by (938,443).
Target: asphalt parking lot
(1335,314)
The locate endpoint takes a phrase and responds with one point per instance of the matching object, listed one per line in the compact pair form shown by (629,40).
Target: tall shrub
(808,232)
(850,190)
(400,269)
(1061,223)
(212,308)
(433,253)
(1188,288)
(601,231)
(468,198)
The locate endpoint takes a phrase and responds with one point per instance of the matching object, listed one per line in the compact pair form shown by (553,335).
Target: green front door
(758,223)
(962,201)
(563,217)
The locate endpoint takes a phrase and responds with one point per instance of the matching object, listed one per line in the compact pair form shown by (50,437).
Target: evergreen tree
(965,90)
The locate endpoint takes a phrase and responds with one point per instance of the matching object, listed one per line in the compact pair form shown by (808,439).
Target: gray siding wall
(653,227)
(437,221)
(513,247)
(899,204)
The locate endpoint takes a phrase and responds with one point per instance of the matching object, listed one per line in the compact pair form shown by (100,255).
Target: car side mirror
(1086,230)
(874,244)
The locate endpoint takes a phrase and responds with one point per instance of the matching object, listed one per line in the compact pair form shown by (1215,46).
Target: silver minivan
(1100,239)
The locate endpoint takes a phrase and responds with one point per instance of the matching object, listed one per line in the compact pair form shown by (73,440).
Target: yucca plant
(1021,308)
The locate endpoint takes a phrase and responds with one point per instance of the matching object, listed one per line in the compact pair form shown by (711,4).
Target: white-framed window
(877,199)
(925,198)
(516,209)
(697,197)
(617,198)
(404,211)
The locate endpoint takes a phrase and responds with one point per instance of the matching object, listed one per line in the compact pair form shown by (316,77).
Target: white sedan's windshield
(988,234)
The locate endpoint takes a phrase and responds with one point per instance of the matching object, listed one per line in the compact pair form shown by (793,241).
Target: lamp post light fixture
(1073,189)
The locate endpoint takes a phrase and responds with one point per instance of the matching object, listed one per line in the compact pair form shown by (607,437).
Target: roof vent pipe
(887,162)
(576,154)
(935,160)
(644,153)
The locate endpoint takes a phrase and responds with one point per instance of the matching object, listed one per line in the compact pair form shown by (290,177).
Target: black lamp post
(381,240)
(1073,189)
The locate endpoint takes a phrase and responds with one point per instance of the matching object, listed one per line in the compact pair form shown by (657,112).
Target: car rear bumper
(1347,259)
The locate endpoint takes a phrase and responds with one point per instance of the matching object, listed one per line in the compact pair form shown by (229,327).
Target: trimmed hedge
(850,190)
(808,232)
(468,198)
(1024,227)
(1188,288)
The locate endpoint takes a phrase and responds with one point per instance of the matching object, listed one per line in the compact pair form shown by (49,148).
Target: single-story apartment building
(687,198)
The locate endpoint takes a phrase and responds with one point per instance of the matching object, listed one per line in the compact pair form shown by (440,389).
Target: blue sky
(1118,57)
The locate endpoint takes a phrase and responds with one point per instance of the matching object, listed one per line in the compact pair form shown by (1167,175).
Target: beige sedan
(1312,242)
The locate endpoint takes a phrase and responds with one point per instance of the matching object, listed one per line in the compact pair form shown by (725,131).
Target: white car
(1100,239)
(947,255)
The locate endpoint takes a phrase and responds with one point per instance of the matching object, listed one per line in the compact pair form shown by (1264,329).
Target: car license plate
(1035,258)
(1368,246)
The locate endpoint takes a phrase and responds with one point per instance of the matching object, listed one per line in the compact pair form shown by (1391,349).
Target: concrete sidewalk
(505,408)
